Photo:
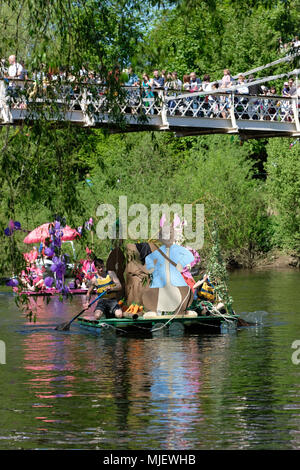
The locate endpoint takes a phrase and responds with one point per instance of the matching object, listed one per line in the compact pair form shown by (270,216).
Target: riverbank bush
(251,190)
(283,193)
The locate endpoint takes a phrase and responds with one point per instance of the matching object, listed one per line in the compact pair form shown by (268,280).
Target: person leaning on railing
(226,82)
(241,105)
(147,84)
(254,103)
(15,69)
(133,79)
(272,105)
(157,80)
(173,86)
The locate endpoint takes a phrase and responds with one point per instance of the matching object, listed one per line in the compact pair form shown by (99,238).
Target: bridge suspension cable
(287,58)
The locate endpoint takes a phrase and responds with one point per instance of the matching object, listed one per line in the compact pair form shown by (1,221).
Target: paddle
(242,322)
(66,326)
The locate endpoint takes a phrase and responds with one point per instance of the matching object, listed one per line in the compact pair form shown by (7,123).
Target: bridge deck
(185,114)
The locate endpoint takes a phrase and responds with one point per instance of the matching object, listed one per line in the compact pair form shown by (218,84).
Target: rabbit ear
(162,220)
(176,220)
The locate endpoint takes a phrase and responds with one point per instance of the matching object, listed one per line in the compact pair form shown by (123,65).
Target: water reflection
(213,391)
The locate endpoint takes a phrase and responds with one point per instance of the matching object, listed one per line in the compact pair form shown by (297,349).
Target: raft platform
(142,325)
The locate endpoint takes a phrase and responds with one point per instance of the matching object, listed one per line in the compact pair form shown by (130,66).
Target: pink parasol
(40,234)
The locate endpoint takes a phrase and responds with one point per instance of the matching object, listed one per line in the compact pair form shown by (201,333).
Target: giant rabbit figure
(168,291)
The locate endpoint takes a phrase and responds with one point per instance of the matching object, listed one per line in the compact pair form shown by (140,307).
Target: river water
(82,390)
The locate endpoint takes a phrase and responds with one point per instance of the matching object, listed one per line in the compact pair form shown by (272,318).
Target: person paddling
(109,282)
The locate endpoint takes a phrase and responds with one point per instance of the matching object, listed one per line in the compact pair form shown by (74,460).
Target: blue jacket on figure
(178,254)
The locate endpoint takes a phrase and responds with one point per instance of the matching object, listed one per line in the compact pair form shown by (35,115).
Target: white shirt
(15,70)
(242,89)
(178,83)
(206,86)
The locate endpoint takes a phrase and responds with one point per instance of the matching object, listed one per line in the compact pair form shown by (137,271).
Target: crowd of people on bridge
(289,47)
(169,82)
(192,83)
(189,82)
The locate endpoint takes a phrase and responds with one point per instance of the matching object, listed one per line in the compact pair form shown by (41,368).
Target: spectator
(158,82)
(295,44)
(292,87)
(177,84)
(62,74)
(284,47)
(227,79)
(225,103)
(272,91)
(213,100)
(254,103)
(286,89)
(91,77)
(83,72)
(195,85)
(254,89)
(186,83)
(285,104)
(168,81)
(15,69)
(242,88)
(206,85)
(272,110)
(147,85)
(24,73)
(133,79)
(195,82)
(186,87)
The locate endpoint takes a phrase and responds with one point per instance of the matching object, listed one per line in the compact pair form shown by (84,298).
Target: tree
(283,191)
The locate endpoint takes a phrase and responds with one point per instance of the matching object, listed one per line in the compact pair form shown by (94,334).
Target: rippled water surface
(82,390)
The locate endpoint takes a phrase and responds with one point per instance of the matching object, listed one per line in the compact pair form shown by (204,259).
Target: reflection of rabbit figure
(168,290)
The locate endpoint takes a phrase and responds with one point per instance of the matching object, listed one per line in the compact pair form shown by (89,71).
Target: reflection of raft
(190,323)
(49,292)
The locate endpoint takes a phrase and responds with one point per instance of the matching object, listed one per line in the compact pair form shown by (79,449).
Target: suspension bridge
(185,114)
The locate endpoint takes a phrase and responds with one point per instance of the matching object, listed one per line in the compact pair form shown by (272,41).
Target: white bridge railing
(95,105)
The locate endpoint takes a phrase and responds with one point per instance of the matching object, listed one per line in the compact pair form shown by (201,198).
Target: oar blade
(63,327)
(242,322)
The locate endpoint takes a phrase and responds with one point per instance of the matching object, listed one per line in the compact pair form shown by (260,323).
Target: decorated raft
(50,292)
(190,323)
